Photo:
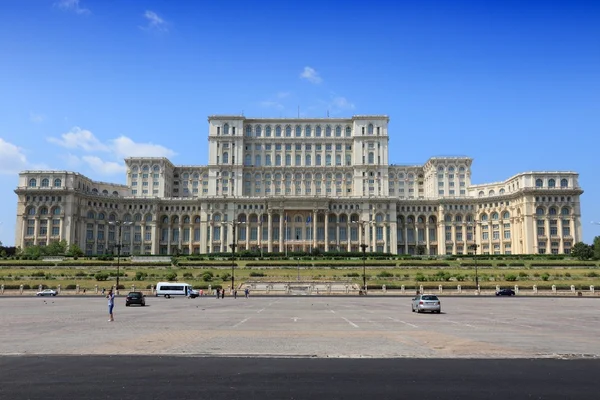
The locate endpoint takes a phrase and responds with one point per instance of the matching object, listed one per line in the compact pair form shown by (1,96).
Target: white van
(169,289)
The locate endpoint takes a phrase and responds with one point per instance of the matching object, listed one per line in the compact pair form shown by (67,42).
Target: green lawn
(393,277)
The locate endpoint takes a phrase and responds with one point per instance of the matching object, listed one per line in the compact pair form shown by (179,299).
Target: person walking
(246,292)
(235,293)
(222,293)
(111,304)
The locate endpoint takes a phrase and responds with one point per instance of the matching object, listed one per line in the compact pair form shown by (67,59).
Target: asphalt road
(148,377)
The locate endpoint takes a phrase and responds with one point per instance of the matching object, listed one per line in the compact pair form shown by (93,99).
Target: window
(564,183)
(551,183)
(32,183)
(57,183)
(539,183)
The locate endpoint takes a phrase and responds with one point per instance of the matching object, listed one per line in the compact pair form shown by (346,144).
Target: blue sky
(513,84)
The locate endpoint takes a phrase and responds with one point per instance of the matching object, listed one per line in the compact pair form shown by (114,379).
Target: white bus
(169,289)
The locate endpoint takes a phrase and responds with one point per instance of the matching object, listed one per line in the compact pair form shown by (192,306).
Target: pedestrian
(201,293)
(222,293)
(235,293)
(102,291)
(217,292)
(83,290)
(111,304)
(246,292)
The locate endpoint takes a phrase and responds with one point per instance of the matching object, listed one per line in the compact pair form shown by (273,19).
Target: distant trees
(582,251)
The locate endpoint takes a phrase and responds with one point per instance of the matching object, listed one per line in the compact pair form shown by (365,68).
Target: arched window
(156,168)
(501,191)
(225,158)
(506,215)
(539,183)
(165,220)
(57,183)
(248,160)
(327,131)
(338,131)
(458,218)
(45,182)
(31,211)
(101,216)
(197,220)
(551,183)
(564,183)
(186,220)
(491,193)
(348,131)
(288,131)
(138,217)
(226,129)
(148,218)
(318,159)
(308,160)
(539,211)
(448,218)
(565,211)
(484,217)
(248,130)
(494,216)
(32,183)
(552,211)
(338,159)
(371,158)
(318,131)
(257,160)
(307,131)
(277,131)
(44,211)
(115,193)
(298,131)
(268,131)
(328,159)
(56,211)
(258,131)
(278,159)
(370,129)
(90,215)
(481,194)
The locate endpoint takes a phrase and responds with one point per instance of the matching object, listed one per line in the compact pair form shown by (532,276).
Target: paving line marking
(406,323)
(460,323)
(350,322)
(261,310)
(333,312)
(508,323)
(241,322)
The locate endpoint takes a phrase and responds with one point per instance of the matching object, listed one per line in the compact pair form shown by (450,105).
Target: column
(35,230)
(326,231)
(169,233)
(314,229)
(191,238)
(337,234)
(405,238)
(281,232)
(259,237)
(180,241)
(270,228)
(211,226)
(348,235)
(548,237)
(477,237)
(427,239)
(394,237)
(60,230)
(441,234)
(155,239)
(453,239)
(222,227)
(359,227)
(372,229)
(385,238)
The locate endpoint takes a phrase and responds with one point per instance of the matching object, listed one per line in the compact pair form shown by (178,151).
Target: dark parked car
(505,292)
(135,298)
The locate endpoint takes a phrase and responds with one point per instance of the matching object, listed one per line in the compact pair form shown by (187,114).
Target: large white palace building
(279,185)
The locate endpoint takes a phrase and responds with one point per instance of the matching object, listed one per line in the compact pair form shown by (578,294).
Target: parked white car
(426,302)
(47,292)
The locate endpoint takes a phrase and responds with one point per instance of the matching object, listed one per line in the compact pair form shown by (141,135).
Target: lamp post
(118,224)
(364,249)
(233,245)
(475,245)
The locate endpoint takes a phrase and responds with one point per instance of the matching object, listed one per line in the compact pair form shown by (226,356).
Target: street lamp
(364,249)
(233,245)
(118,224)
(474,246)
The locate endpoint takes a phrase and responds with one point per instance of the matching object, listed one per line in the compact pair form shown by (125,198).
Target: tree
(597,247)
(56,248)
(421,250)
(74,250)
(582,251)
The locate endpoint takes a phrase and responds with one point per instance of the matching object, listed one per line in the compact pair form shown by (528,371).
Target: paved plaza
(353,327)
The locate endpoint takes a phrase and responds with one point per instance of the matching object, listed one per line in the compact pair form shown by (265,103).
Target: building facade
(282,185)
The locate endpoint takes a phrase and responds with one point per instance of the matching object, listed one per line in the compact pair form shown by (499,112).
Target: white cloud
(12,158)
(104,167)
(79,138)
(36,118)
(154,21)
(115,149)
(72,5)
(311,75)
(341,103)
(125,147)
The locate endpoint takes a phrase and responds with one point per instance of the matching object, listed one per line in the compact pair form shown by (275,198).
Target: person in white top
(111,304)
